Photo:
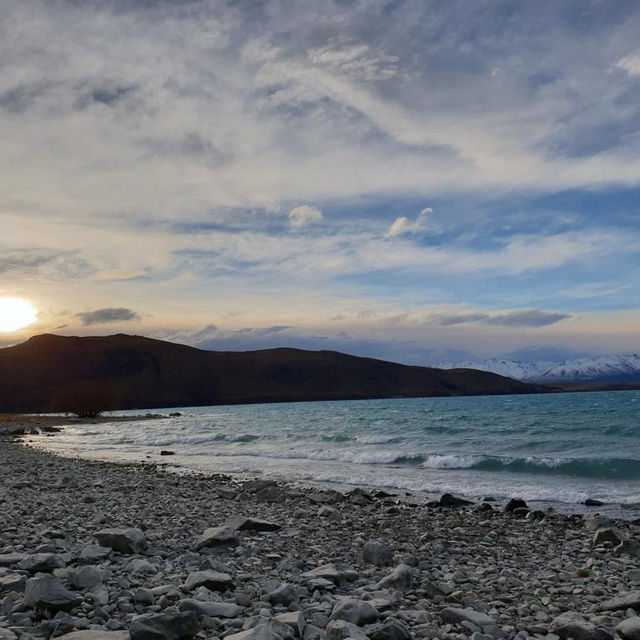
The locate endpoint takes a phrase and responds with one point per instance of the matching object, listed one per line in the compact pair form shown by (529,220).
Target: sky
(420,181)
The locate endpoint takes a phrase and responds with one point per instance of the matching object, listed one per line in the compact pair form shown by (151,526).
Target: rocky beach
(100,550)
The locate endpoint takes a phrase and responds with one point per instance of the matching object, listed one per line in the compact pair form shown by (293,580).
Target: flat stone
(48,592)
(141,566)
(165,626)
(242,523)
(11,559)
(630,600)
(359,496)
(226,492)
(211,609)
(12,582)
(358,612)
(253,486)
(40,563)
(326,571)
(341,630)
(455,616)
(596,521)
(126,541)
(217,536)
(93,553)
(95,635)
(213,580)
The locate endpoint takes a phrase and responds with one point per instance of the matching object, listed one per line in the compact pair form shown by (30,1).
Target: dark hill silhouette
(136,372)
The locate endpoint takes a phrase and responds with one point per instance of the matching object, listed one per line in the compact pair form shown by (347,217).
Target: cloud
(525,318)
(103,316)
(403,225)
(447,320)
(528,318)
(630,63)
(304,215)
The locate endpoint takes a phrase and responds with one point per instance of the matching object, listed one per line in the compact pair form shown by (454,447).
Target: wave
(602,468)
(379,439)
(595,468)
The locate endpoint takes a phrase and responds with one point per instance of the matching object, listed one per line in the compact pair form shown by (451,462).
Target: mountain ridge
(599,369)
(43,373)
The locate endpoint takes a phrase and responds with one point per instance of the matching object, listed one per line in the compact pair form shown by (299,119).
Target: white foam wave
(450,462)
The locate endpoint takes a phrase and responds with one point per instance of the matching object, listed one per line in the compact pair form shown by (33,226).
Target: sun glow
(16,313)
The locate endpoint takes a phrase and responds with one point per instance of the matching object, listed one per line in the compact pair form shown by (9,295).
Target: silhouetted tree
(85,398)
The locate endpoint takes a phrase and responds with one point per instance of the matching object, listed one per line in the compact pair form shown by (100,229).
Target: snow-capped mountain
(624,368)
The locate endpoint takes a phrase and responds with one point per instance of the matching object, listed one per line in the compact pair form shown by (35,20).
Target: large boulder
(48,592)
(449,500)
(165,626)
(629,629)
(127,541)
(609,535)
(515,503)
(377,553)
(573,625)
(358,612)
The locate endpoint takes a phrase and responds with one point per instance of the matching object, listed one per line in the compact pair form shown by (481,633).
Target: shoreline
(46,425)
(180,464)
(399,570)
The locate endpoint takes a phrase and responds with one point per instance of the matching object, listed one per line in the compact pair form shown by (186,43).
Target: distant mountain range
(56,373)
(606,369)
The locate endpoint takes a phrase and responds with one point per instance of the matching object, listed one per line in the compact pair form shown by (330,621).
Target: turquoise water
(560,448)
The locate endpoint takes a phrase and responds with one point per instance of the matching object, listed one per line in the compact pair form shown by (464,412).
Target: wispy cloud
(107,315)
(524,318)
(220,162)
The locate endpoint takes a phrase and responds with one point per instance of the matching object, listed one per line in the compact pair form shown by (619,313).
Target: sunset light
(15,313)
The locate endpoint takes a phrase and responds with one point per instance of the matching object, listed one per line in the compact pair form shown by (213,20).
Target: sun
(16,313)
